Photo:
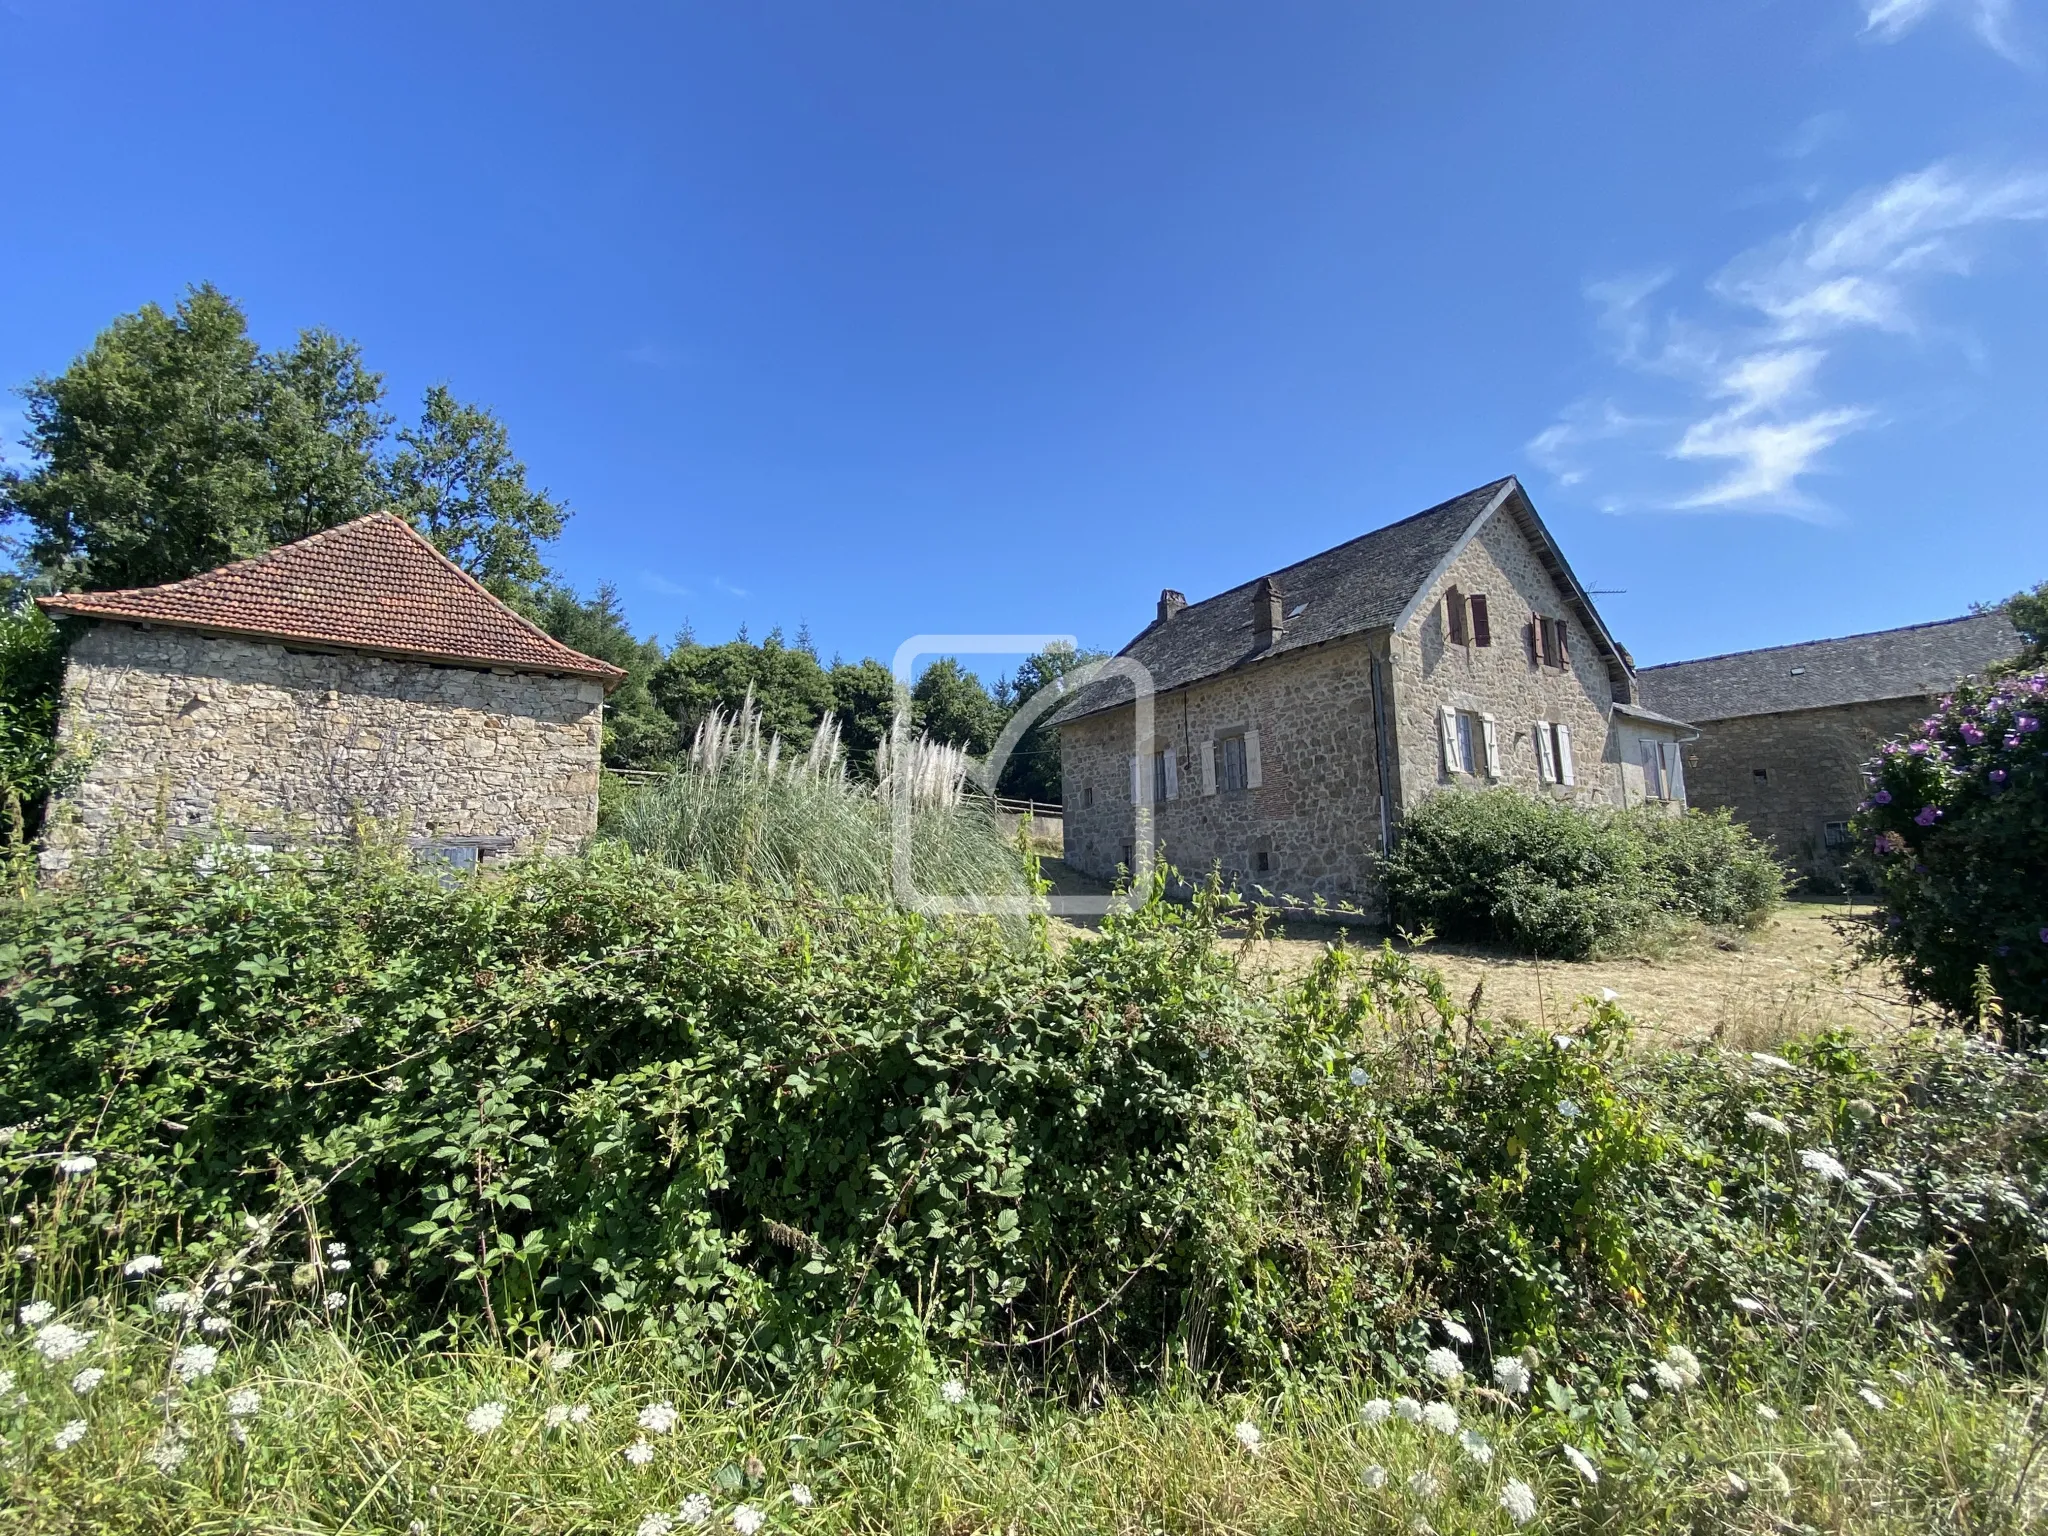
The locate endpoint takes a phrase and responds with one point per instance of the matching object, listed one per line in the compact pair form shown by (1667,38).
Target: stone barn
(1785,733)
(356,675)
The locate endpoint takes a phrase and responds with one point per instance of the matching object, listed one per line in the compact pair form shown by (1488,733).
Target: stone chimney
(1171,603)
(1266,610)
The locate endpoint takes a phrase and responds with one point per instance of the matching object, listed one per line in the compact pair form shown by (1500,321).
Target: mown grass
(361,1432)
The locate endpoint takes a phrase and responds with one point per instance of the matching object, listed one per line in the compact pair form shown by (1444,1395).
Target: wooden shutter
(1172,776)
(1209,766)
(1490,735)
(1482,631)
(1137,787)
(1454,610)
(1533,633)
(1653,774)
(1674,771)
(1564,650)
(1546,770)
(1253,777)
(1447,725)
(1565,773)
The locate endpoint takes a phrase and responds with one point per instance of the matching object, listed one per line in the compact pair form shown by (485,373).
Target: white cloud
(663,585)
(1991,20)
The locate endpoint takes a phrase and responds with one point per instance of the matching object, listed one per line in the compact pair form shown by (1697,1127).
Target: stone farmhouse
(1785,733)
(1296,718)
(354,675)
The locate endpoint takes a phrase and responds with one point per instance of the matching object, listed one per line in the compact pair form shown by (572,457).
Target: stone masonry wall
(1315,813)
(1812,766)
(276,743)
(1502,679)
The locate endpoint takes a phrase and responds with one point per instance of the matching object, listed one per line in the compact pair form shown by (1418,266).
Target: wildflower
(142,1264)
(658,1418)
(1997,775)
(800,1495)
(1771,1063)
(214,1323)
(656,1524)
(337,1250)
(1685,1363)
(334,1301)
(1358,1078)
(1443,1364)
(1519,1500)
(238,1432)
(1409,1409)
(1927,816)
(194,1361)
(561,1360)
(87,1379)
(1511,1376)
(1568,1109)
(1248,1436)
(485,1417)
(1872,1398)
(1475,1446)
(68,1436)
(696,1509)
(1582,1463)
(580,1414)
(6,1381)
(1883,797)
(1846,1444)
(1917,748)
(556,1416)
(640,1452)
(25,1253)
(1564,1042)
(1667,1377)
(1771,1123)
(185,1302)
(1424,1485)
(37,1312)
(79,1166)
(1441,1417)
(58,1342)
(747,1520)
(954,1392)
(340,1266)
(1825,1164)
(1376,1411)
(1767,1413)
(1639,1392)
(168,1453)
(1455,1330)
(244,1403)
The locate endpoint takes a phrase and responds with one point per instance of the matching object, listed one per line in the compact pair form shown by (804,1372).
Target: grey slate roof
(1360,585)
(1920,660)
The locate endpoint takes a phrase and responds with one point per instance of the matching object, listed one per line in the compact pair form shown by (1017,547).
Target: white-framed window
(1471,742)
(1165,776)
(1554,763)
(1653,769)
(1234,761)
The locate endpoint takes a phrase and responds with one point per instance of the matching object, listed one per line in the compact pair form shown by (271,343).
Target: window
(1653,771)
(1165,776)
(1088,796)
(1232,763)
(1263,859)
(1455,615)
(1465,725)
(1836,834)
(1547,642)
(1554,753)
(1128,861)
(1482,632)
(1470,742)
(1762,776)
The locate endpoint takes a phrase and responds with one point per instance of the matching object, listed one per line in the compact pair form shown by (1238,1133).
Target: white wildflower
(25,1253)
(142,1264)
(484,1418)
(1685,1362)
(194,1361)
(1475,1446)
(580,1414)
(177,1303)
(340,1266)
(1639,1392)
(1441,1417)
(1358,1077)
(1377,1411)
(1568,1109)
(6,1381)
(954,1392)
(334,1301)
(1771,1063)
(244,1403)
(1424,1485)
(1582,1463)
(238,1431)
(561,1360)
(1846,1444)
(1668,1378)
(1872,1398)
(656,1524)
(696,1509)
(1780,1484)
(640,1452)
(214,1323)
(68,1436)
(658,1418)
(1767,1413)
(1564,1042)
(800,1495)
(1608,994)
(1248,1436)
(1771,1123)
(79,1166)
(1374,1476)
(168,1453)
(1511,1375)
(1884,1181)
(337,1250)
(747,1520)
(1454,1330)
(58,1342)
(87,1379)
(1825,1164)
(1519,1500)
(1443,1364)
(1409,1409)
(37,1312)
(556,1416)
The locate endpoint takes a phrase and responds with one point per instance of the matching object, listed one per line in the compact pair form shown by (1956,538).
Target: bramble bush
(1569,882)
(606,1098)
(1955,837)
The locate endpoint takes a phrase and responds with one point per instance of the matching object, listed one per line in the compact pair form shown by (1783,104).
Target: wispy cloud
(1991,20)
(728,588)
(663,585)
(1751,375)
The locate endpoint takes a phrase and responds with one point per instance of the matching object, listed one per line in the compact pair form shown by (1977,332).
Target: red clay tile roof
(371,585)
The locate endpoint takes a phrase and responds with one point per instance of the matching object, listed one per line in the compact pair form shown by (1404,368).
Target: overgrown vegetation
(1955,836)
(1554,879)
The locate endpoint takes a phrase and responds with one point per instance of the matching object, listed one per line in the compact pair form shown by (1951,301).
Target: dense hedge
(1560,880)
(1955,835)
(599,1093)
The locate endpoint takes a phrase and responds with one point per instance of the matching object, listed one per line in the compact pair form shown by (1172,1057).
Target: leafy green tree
(455,479)
(950,704)
(31,681)
(864,697)
(2029,614)
(788,685)
(1032,771)
(637,733)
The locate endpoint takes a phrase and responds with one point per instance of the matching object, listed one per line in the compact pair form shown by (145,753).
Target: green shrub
(1955,837)
(1561,880)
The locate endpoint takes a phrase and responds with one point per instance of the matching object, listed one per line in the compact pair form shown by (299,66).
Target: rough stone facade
(1791,777)
(187,733)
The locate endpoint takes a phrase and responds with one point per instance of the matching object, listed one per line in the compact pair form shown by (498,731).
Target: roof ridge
(1800,645)
(248,560)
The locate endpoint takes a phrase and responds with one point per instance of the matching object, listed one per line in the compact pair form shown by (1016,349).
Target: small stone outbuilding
(354,676)
(1786,733)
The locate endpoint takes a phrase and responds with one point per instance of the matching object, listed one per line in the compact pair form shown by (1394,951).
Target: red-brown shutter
(1481,633)
(1564,655)
(1454,610)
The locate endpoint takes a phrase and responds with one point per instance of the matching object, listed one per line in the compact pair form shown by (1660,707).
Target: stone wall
(1811,766)
(193,732)
(1311,824)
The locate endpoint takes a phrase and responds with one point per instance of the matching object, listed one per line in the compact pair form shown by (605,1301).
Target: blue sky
(974,316)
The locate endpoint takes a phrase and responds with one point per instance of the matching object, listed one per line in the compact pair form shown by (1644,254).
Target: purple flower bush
(1955,837)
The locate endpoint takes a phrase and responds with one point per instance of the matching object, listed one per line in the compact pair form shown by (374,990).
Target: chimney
(1265,611)
(1171,603)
